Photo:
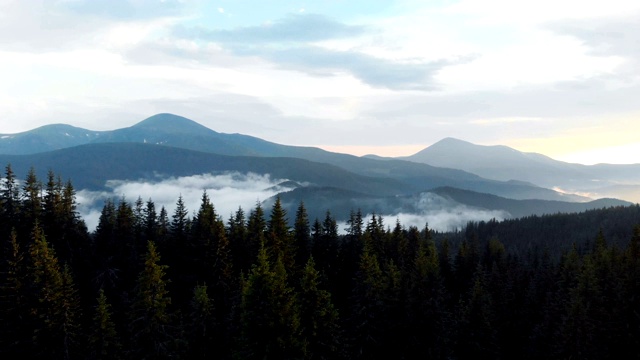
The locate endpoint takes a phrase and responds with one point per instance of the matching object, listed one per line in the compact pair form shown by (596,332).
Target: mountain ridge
(499,162)
(180,132)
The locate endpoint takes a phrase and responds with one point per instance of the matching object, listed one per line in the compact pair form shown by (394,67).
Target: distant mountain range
(168,145)
(504,163)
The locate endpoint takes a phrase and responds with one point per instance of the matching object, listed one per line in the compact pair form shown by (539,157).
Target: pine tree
(151,221)
(31,199)
(367,307)
(428,316)
(202,325)
(107,250)
(9,201)
(180,221)
(256,228)
(104,342)
(302,235)
(240,247)
(150,321)
(15,320)
(476,332)
(163,225)
(58,305)
(70,314)
(269,317)
(318,317)
(279,239)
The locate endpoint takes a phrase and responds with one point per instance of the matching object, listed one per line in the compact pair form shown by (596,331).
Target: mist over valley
(446,185)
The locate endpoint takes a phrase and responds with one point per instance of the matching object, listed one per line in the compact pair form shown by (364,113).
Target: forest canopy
(267,284)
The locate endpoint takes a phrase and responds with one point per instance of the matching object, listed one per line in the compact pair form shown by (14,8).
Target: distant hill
(179,132)
(340,202)
(90,166)
(520,208)
(504,163)
(45,138)
(167,145)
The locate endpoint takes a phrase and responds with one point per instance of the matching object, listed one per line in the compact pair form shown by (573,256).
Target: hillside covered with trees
(265,284)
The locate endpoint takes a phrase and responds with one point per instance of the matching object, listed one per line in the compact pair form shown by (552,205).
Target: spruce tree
(9,201)
(57,307)
(269,318)
(318,317)
(15,315)
(104,342)
(31,200)
(201,327)
(302,235)
(150,321)
(279,239)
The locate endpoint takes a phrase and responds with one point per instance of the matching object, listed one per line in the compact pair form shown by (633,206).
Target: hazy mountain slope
(504,163)
(498,162)
(180,132)
(45,138)
(456,203)
(90,166)
(520,208)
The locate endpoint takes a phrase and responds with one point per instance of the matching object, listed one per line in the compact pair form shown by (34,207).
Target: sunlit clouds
(400,74)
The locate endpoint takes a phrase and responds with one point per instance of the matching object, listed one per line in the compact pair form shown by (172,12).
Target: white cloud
(227,192)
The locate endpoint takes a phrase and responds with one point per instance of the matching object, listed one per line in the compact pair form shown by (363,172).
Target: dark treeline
(149,285)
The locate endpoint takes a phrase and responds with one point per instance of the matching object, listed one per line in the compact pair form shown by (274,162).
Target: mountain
(166,145)
(90,166)
(457,204)
(521,208)
(45,138)
(179,132)
(504,163)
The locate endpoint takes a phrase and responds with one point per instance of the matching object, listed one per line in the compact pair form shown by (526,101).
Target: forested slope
(147,284)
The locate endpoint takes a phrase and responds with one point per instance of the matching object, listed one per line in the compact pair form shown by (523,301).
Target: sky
(557,77)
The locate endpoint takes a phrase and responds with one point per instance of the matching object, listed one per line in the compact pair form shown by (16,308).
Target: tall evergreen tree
(104,342)
(279,239)
(31,200)
(302,235)
(318,317)
(201,326)
(256,228)
(269,318)
(150,321)
(180,221)
(9,201)
(367,307)
(57,307)
(240,246)
(15,314)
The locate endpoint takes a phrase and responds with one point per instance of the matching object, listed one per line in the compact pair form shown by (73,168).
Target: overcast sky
(556,77)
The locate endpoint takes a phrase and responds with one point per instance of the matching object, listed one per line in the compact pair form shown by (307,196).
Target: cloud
(41,26)
(123,9)
(231,190)
(506,120)
(377,72)
(605,36)
(439,213)
(443,214)
(294,28)
(293,44)
(227,192)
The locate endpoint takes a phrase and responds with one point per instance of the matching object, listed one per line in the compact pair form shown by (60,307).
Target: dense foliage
(149,285)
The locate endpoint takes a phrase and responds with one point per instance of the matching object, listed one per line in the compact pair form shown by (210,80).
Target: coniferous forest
(264,284)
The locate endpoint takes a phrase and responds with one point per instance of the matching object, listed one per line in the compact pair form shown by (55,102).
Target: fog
(230,190)
(227,192)
(440,213)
